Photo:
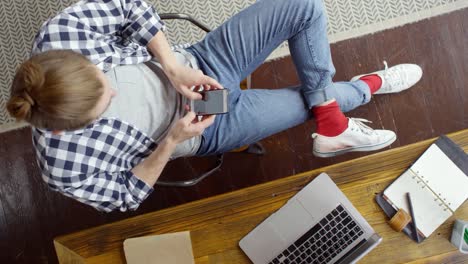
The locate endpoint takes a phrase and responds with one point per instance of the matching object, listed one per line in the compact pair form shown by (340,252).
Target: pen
(415,229)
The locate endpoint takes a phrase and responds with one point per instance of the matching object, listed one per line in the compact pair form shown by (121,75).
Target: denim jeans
(235,49)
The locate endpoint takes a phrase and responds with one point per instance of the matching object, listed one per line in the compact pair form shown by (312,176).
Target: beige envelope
(174,248)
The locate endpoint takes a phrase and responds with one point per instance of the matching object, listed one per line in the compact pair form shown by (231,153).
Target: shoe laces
(394,77)
(360,126)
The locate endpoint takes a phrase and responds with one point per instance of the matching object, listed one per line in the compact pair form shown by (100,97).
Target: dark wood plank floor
(31,215)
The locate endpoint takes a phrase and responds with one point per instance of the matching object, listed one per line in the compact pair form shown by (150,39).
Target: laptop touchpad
(292,221)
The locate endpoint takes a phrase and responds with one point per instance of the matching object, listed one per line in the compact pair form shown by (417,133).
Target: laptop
(318,225)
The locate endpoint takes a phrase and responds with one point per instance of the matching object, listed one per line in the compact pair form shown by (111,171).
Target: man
(107,117)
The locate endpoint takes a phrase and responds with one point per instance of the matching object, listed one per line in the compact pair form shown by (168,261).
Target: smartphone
(213,102)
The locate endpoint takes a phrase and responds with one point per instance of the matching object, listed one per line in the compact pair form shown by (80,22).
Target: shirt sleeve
(142,22)
(109,191)
(101,29)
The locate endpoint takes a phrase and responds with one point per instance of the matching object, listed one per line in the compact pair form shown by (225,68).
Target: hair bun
(28,82)
(20,108)
(28,98)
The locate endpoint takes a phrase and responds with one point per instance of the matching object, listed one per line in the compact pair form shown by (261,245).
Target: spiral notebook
(438,183)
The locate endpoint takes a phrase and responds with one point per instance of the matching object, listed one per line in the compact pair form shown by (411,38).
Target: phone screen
(213,102)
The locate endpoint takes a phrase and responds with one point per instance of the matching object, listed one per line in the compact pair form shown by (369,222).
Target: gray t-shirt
(149,102)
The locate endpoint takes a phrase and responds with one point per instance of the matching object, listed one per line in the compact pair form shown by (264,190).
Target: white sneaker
(357,137)
(396,78)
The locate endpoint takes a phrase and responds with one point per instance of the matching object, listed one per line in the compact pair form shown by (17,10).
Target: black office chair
(255,148)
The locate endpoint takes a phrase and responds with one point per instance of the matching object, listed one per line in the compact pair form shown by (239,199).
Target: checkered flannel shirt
(93,165)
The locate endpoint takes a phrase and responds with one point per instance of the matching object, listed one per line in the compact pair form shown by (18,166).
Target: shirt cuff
(141,190)
(146,27)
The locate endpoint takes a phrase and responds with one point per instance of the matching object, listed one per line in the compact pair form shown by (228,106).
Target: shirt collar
(98,122)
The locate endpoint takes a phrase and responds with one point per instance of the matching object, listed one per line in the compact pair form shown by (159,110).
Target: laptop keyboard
(324,241)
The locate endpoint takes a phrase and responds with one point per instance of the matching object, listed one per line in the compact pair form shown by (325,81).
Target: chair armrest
(169,16)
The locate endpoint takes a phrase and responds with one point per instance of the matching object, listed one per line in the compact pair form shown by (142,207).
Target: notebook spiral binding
(424,183)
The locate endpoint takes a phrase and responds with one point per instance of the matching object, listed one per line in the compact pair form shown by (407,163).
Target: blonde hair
(55,90)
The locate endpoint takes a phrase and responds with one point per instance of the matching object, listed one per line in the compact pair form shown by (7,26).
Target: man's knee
(309,9)
(306,5)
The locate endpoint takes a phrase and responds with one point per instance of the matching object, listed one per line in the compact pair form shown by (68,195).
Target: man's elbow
(121,206)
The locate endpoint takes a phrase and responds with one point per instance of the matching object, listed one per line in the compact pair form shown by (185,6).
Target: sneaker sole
(354,149)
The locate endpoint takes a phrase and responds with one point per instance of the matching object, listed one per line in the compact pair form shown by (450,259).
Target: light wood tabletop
(218,223)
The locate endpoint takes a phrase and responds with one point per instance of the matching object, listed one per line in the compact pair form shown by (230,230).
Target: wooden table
(218,223)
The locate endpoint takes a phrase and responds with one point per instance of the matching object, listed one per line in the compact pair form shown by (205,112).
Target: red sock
(373,81)
(330,120)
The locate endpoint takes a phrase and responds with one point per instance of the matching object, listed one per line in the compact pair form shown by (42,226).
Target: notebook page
(428,212)
(443,176)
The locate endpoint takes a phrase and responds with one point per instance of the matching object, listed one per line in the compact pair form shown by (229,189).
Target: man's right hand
(188,127)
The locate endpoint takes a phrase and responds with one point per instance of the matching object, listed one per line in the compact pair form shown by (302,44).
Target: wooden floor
(31,215)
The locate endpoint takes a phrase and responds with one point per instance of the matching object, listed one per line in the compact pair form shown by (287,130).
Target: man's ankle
(373,81)
(330,120)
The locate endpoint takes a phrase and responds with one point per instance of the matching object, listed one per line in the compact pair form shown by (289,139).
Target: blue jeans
(235,49)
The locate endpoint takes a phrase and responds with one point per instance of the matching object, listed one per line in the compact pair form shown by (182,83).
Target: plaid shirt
(93,165)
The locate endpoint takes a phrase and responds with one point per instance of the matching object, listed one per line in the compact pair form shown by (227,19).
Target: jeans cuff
(319,96)
(364,88)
